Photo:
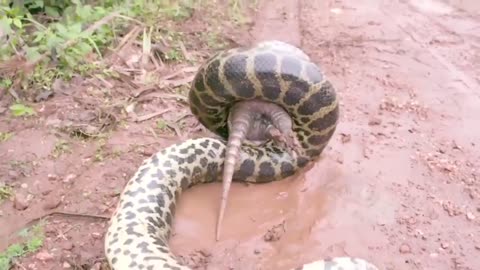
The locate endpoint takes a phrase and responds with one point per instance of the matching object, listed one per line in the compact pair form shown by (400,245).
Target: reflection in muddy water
(318,209)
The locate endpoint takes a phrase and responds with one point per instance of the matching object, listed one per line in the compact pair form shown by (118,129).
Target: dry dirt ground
(398,184)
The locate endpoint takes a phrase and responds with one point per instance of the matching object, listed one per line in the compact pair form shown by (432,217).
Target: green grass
(31,241)
(6,192)
(61,147)
(63,38)
(5,136)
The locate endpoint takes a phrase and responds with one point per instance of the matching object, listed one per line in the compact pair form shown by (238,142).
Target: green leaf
(76,28)
(34,244)
(61,29)
(15,250)
(52,11)
(84,12)
(32,53)
(39,35)
(21,110)
(6,25)
(17,22)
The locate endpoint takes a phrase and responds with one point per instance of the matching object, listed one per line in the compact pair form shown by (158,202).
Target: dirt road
(398,185)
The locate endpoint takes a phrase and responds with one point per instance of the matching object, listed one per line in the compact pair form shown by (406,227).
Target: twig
(164,96)
(143,90)
(185,52)
(142,118)
(128,38)
(66,214)
(178,72)
(177,83)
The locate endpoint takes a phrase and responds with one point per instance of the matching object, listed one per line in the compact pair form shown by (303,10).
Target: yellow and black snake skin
(270,71)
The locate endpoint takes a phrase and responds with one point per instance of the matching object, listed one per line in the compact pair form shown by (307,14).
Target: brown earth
(398,184)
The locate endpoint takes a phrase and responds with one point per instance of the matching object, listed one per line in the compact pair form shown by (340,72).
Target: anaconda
(273,111)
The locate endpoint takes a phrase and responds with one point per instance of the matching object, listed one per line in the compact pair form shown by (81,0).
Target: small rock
(44,256)
(345,138)
(96,266)
(52,177)
(66,265)
(256,251)
(412,221)
(68,246)
(374,122)
(96,235)
(24,185)
(470,216)
(46,190)
(405,248)
(20,202)
(340,160)
(52,203)
(444,245)
(13,175)
(69,178)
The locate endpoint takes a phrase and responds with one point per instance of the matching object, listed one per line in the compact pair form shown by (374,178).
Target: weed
(162,125)
(61,147)
(32,241)
(5,136)
(6,192)
(62,38)
(214,40)
(21,110)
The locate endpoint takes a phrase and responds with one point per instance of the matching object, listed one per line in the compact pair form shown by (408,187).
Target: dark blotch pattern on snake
(272,72)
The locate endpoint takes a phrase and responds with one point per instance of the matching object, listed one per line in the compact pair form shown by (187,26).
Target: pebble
(66,265)
(69,178)
(52,177)
(405,248)
(96,266)
(13,175)
(44,256)
(24,185)
(374,122)
(46,190)
(96,235)
(20,202)
(68,246)
(52,203)
(444,245)
(345,138)
(470,216)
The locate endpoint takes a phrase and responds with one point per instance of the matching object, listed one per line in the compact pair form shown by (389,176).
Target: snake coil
(271,71)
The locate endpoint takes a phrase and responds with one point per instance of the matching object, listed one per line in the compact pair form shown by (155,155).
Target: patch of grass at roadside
(5,136)
(31,241)
(237,10)
(6,192)
(44,40)
(61,147)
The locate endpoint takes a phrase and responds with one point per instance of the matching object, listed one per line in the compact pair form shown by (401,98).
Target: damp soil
(398,184)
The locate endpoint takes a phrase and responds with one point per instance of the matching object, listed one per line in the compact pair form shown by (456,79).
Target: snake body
(271,71)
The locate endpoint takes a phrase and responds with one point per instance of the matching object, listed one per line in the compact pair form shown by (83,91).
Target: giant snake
(273,111)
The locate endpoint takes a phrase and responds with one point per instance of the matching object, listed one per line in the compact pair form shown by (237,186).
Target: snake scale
(255,99)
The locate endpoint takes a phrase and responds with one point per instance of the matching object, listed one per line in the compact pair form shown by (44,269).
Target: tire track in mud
(406,77)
